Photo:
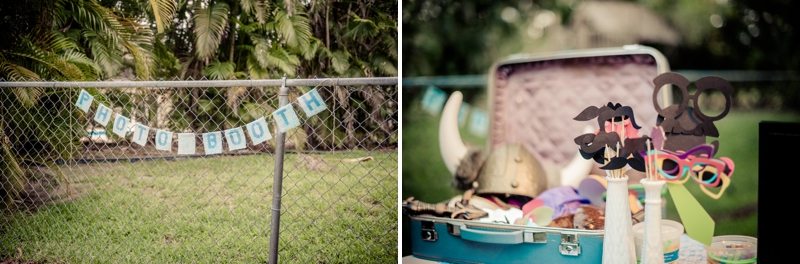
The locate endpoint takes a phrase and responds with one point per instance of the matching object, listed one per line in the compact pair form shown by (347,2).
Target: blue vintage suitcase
(464,241)
(533,100)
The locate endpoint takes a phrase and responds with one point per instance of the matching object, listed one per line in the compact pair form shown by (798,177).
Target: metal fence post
(221,185)
(283,99)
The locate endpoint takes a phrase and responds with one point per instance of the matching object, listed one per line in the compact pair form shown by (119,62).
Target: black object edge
(775,141)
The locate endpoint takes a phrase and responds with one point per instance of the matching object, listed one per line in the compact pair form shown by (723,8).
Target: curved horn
(577,169)
(450,143)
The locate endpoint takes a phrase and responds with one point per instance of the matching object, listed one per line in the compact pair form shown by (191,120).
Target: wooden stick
(622,132)
(653,160)
(647,169)
(621,171)
(607,154)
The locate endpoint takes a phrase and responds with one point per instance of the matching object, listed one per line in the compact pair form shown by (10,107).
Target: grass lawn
(736,212)
(215,209)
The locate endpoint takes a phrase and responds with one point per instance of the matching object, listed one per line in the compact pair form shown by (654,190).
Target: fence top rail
(209,83)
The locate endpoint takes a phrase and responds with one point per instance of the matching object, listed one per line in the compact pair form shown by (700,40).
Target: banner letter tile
(212,142)
(258,131)
(103,115)
(286,118)
(163,140)
(140,134)
(235,137)
(312,103)
(121,126)
(84,101)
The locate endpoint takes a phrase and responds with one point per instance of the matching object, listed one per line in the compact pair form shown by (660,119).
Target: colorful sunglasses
(679,167)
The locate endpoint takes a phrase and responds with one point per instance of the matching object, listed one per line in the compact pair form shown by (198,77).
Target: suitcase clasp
(429,232)
(569,245)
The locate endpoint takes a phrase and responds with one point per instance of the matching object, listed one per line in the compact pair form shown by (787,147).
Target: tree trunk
(193,109)
(232,37)
(164,110)
(328,28)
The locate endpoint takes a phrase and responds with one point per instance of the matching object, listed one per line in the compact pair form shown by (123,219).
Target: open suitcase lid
(534,99)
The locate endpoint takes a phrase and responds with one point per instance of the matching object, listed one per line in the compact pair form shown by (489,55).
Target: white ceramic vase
(618,245)
(653,248)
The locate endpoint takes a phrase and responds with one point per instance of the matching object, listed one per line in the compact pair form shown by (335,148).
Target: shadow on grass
(215,209)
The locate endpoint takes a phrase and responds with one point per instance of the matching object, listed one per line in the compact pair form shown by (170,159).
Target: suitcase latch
(453,229)
(569,245)
(534,237)
(428,231)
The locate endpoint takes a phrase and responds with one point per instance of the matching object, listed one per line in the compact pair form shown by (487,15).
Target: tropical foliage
(72,40)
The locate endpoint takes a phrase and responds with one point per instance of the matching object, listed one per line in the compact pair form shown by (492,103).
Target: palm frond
(110,60)
(58,42)
(257,8)
(391,47)
(283,60)
(28,96)
(167,63)
(340,61)
(88,68)
(289,6)
(357,68)
(255,70)
(163,11)
(383,65)
(112,33)
(260,50)
(138,40)
(41,62)
(11,70)
(386,23)
(217,70)
(210,24)
(361,28)
(312,50)
(294,29)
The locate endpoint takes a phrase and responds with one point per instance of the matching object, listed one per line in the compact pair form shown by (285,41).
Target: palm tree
(269,45)
(57,40)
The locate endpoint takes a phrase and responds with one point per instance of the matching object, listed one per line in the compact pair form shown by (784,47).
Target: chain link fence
(74,191)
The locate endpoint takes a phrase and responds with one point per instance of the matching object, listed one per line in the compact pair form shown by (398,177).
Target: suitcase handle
(491,237)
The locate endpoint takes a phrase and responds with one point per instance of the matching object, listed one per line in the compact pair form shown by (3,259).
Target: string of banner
(433,101)
(285,118)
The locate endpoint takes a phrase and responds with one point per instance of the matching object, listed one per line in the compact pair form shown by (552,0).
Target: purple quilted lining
(534,102)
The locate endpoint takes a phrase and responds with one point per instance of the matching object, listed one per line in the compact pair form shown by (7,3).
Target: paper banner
(462,114)
(212,143)
(121,126)
(286,118)
(186,143)
(312,103)
(433,100)
(84,101)
(140,134)
(103,115)
(698,224)
(258,131)
(235,138)
(478,124)
(163,140)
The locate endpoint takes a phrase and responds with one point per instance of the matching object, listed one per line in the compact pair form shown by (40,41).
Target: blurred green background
(750,43)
